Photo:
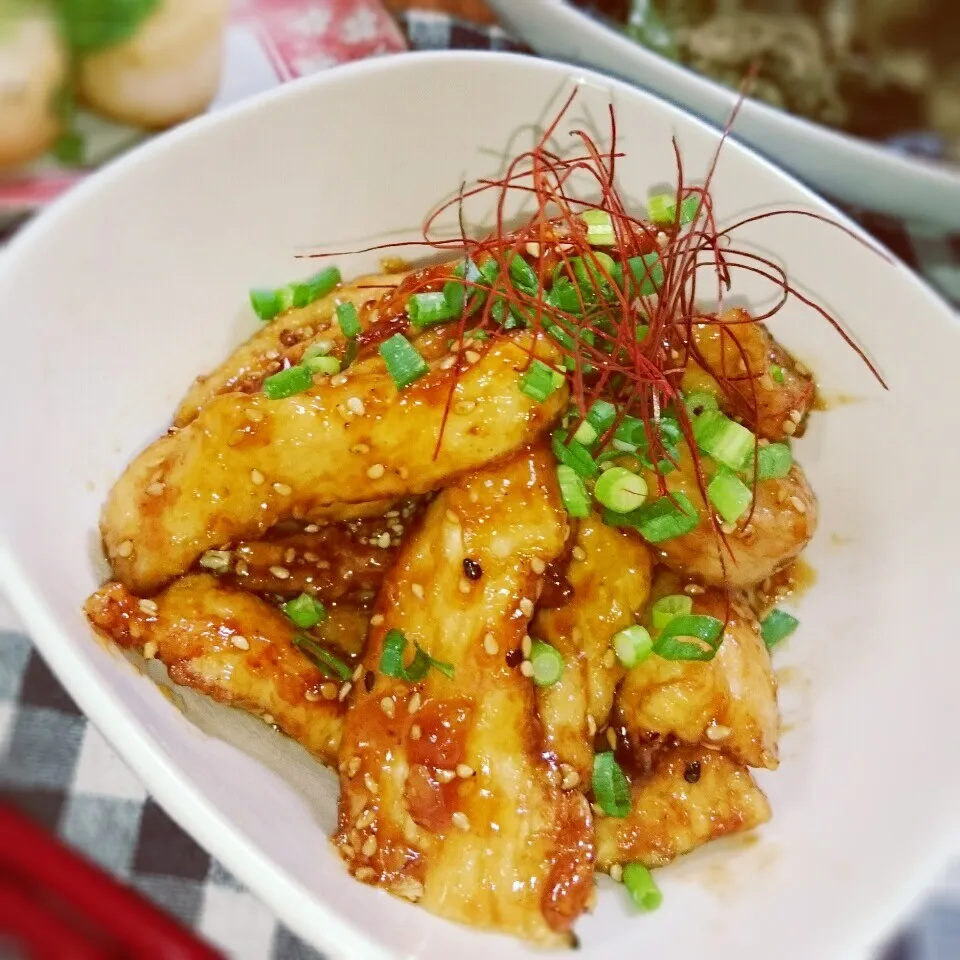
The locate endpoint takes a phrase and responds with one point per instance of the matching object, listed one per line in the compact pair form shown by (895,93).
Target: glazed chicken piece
(728,702)
(609,572)
(283,342)
(232,646)
(763,384)
(448,796)
(690,796)
(783,522)
(248,462)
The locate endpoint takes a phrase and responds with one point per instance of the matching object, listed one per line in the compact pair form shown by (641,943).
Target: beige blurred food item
(167,72)
(33,69)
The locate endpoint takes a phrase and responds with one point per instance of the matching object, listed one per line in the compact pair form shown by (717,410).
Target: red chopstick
(58,906)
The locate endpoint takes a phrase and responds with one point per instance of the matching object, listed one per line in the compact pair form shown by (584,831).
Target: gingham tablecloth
(59,769)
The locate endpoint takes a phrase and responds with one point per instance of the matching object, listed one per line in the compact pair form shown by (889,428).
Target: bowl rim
(939,182)
(300,909)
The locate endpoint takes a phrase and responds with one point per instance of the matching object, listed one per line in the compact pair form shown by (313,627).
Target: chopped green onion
(288,383)
(319,349)
(647,271)
(268,304)
(575,455)
(611,789)
(776,373)
(586,433)
(632,645)
(727,441)
(700,402)
(350,354)
(642,331)
(641,886)
(774,462)
(455,291)
(689,209)
(590,275)
(330,664)
(540,381)
(523,275)
(306,611)
(425,309)
(305,292)
(348,319)
(391,660)
(662,208)
(600,232)
(325,366)
(666,608)
(601,415)
(663,519)
(547,664)
(573,491)
(620,489)
(777,625)
(566,296)
(403,362)
(729,494)
(689,637)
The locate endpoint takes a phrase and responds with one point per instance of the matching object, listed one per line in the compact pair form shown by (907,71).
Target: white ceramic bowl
(847,168)
(116,297)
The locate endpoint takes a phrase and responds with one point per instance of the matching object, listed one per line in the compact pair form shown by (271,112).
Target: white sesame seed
(472,356)
(415,732)
(256,477)
(366,818)
(490,644)
(447,362)
(579,553)
(355,405)
(329,691)
(377,620)
(464,586)
(369,847)
(452,517)
(310,556)
(616,873)
(376,471)
(798,505)
(272,355)
(125,549)
(311,528)
(240,642)
(408,887)
(537,566)
(281,573)
(796,416)
(417,590)
(344,691)
(609,659)
(446,776)
(526,606)
(591,725)
(388,707)
(526,647)
(460,821)
(383,541)
(267,718)
(156,489)
(358,673)
(217,560)
(289,555)
(718,732)
(526,668)
(312,695)
(694,589)
(360,448)
(789,427)
(353,767)
(465,771)
(149,650)
(149,607)
(413,705)
(283,489)
(339,380)
(371,784)
(612,738)
(570,776)
(347,852)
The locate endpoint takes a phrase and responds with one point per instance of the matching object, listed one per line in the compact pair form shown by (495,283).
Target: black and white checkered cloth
(59,770)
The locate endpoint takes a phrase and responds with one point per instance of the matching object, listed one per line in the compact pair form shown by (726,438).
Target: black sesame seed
(369,680)
(471,569)
(692,773)
(514,657)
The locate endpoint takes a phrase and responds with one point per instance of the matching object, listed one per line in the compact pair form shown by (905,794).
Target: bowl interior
(119,296)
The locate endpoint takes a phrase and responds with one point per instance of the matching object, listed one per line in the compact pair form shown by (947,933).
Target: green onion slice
(425,309)
(573,491)
(727,441)
(267,304)
(611,789)
(540,381)
(632,645)
(330,664)
(620,490)
(689,637)
(773,462)
(523,275)
(602,415)
(700,402)
(641,886)
(777,373)
(288,383)
(319,285)
(666,608)
(777,625)
(663,519)
(575,455)
(590,275)
(662,208)
(547,664)
(600,232)
(324,366)
(391,660)
(646,273)
(305,611)
(348,319)
(403,362)
(586,433)
(729,494)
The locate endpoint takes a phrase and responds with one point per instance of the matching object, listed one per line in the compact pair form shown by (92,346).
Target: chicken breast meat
(448,795)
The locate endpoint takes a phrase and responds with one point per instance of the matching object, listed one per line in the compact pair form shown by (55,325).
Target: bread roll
(168,71)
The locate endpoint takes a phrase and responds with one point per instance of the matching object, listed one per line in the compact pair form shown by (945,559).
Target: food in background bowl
(500,541)
(886,70)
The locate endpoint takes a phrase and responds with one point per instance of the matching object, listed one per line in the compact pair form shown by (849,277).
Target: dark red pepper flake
(471,569)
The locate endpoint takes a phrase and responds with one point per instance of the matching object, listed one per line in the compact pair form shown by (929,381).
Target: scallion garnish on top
(540,381)
(288,383)
(777,625)
(270,303)
(689,637)
(403,362)
(547,663)
(727,441)
(663,519)
(611,789)
(391,660)
(573,491)
(328,662)
(641,886)
(305,611)
(348,319)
